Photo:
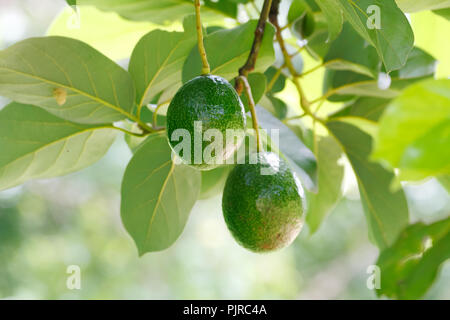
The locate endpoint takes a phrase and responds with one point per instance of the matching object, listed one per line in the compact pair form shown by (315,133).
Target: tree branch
(304,103)
(259,32)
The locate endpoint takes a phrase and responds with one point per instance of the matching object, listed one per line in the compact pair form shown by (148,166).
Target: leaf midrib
(50,144)
(158,202)
(83,93)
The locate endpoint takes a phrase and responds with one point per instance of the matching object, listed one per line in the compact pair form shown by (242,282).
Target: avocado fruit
(209,101)
(263,203)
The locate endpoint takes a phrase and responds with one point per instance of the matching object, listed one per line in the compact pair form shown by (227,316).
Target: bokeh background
(47,225)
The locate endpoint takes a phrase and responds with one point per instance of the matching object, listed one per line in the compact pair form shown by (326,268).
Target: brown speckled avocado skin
(263,212)
(211,100)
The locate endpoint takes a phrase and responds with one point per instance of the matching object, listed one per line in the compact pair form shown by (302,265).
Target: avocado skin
(263,212)
(211,100)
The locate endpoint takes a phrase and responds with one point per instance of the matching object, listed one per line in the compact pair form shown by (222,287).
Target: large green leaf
(107,32)
(157,195)
(333,15)
(414,130)
(420,65)
(330,175)
(67,78)
(229,49)
(365,107)
(158,59)
(299,156)
(163,11)
(36,144)
(414,5)
(393,47)
(410,265)
(318,43)
(361,59)
(386,210)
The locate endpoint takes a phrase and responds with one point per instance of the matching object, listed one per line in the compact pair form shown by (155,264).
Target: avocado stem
(201,47)
(251,104)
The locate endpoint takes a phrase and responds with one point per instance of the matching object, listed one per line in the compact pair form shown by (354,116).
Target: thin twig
(155,112)
(293,118)
(201,47)
(249,65)
(136,134)
(312,69)
(304,103)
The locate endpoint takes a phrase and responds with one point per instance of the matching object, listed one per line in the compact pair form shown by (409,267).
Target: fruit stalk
(251,103)
(259,33)
(201,47)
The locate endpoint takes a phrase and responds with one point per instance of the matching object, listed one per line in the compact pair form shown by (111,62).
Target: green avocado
(214,104)
(263,203)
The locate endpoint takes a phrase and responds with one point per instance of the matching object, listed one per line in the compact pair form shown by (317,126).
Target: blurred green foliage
(46,226)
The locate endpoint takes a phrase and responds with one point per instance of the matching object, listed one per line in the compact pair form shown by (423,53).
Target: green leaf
(443,13)
(317,46)
(361,59)
(330,176)
(163,11)
(158,59)
(386,210)
(297,9)
(412,133)
(339,64)
(299,156)
(277,107)
(107,32)
(71,2)
(392,47)
(426,157)
(414,5)
(445,182)
(157,195)
(350,84)
(228,50)
(353,76)
(279,83)
(213,181)
(419,64)
(35,144)
(304,26)
(364,107)
(68,78)
(344,85)
(333,15)
(411,264)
